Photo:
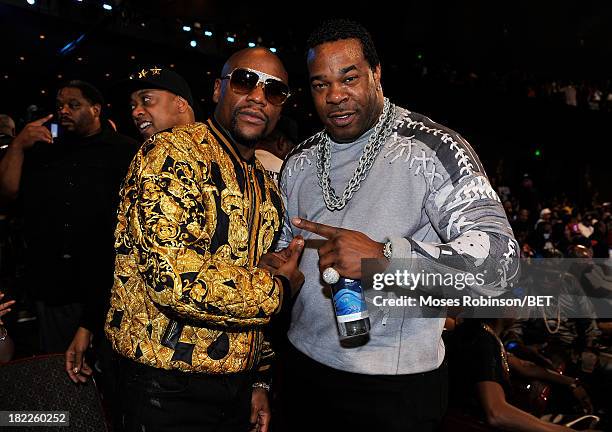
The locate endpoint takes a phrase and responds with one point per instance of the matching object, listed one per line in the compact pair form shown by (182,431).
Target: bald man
(7,125)
(189,304)
(7,131)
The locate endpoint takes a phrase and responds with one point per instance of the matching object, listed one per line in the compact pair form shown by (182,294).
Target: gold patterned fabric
(193,221)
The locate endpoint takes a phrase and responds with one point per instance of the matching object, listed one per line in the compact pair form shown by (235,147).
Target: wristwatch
(388,250)
(261,385)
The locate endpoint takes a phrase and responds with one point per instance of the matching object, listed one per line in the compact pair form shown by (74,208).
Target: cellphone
(54,128)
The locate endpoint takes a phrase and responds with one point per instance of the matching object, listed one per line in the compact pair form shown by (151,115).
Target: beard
(247,141)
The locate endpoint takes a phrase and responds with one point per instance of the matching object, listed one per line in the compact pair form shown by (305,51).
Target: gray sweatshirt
(428,193)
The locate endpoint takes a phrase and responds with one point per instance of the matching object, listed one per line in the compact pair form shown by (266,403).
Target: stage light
(208,33)
(107,7)
(193,44)
(273,50)
(251,44)
(537,153)
(42,37)
(31,2)
(186,28)
(231,39)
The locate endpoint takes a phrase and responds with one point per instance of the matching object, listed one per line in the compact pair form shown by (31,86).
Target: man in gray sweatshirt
(410,188)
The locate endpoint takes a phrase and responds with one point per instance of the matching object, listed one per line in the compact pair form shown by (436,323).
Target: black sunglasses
(244,81)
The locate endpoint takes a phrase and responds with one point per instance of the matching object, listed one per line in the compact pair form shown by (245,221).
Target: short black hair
(89,91)
(340,29)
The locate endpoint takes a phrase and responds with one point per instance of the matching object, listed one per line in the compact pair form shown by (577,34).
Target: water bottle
(351,309)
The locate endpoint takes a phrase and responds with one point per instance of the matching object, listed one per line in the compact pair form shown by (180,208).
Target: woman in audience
(6,344)
(480,377)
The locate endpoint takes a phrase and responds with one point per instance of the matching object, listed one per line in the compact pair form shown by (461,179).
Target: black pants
(319,398)
(57,325)
(156,400)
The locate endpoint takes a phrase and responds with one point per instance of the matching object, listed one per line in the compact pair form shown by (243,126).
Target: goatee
(249,142)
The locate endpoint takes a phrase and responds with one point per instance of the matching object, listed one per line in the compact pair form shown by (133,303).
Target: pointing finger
(326,231)
(42,121)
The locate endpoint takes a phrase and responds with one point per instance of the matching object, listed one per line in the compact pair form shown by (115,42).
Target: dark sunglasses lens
(243,81)
(276,92)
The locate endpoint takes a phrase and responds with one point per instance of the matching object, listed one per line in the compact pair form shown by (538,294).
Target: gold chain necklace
(504,356)
(556,330)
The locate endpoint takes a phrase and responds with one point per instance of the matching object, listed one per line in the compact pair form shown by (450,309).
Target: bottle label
(349,301)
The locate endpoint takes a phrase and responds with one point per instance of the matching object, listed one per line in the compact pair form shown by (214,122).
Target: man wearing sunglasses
(379,182)
(189,304)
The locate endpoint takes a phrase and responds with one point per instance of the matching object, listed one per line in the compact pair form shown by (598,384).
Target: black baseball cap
(159,78)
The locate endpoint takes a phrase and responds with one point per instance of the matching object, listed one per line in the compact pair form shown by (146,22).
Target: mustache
(251,110)
(341,109)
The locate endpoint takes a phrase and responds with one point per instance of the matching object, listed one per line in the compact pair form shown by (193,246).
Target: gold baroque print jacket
(194,219)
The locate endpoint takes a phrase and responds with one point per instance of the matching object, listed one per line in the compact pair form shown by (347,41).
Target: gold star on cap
(143,73)
(155,70)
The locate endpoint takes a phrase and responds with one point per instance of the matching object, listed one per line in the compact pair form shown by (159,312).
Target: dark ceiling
(500,42)
(534,39)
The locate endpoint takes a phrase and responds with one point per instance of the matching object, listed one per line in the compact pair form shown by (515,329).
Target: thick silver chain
(382,130)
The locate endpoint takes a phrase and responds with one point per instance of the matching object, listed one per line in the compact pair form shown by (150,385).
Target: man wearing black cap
(197,211)
(160,99)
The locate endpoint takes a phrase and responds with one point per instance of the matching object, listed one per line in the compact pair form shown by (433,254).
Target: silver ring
(331,275)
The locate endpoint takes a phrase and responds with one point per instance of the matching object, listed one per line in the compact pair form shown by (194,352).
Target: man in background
(68,188)
(272,150)
(7,130)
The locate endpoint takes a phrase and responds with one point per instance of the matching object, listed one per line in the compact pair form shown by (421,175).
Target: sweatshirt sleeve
(469,218)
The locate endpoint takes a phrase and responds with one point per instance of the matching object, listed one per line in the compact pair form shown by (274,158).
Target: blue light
(251,44)
(107,7)
(193,44)
(231,39)
(273,50)
(186,28)
(70,46)
(208,33)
